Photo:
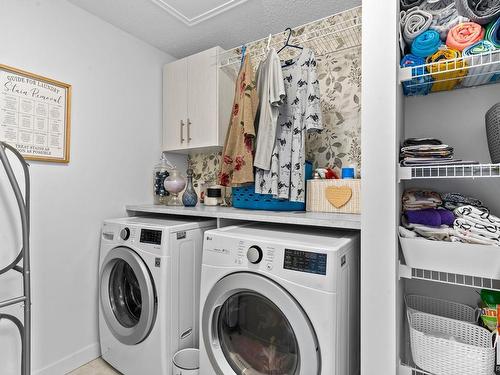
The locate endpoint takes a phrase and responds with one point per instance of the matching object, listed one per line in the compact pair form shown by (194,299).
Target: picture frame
(35,115)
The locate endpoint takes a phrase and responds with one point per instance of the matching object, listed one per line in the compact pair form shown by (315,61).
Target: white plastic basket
(445,346)
(441,307)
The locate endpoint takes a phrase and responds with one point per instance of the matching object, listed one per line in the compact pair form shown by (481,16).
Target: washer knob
(254,254)
(125,234)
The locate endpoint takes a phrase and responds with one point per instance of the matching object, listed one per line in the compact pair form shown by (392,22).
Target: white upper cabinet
(197,99)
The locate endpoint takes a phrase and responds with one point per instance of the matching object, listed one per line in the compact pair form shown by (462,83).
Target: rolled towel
(464,35)
(481,74)
(444,15)
(426,44)
(479,11)
(413,23)
(408,4)
(422,83)
(447,68)
(493,33)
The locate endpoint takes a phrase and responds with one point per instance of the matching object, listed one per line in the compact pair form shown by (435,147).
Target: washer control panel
(254,254)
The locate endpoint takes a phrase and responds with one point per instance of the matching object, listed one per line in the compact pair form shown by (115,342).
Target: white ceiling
(183,27)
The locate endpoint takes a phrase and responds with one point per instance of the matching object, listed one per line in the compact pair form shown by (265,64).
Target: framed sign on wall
(35,115)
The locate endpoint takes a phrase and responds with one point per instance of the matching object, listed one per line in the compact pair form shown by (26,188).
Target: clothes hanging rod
(331,34)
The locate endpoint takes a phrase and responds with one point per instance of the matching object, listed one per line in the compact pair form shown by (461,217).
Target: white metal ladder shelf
(24,256)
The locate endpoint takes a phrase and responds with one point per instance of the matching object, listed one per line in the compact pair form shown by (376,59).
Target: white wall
(115,141)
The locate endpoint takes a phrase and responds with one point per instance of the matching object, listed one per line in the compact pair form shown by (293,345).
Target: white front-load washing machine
(279,300)
(149,274)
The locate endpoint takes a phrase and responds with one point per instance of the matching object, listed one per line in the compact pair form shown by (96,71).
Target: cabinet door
(202,99)
(175,99)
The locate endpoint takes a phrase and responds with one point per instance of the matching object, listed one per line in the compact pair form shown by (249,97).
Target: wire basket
(446,346)
(447,309)
(493,132)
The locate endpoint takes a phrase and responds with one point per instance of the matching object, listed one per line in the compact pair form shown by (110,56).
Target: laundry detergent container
(246,197)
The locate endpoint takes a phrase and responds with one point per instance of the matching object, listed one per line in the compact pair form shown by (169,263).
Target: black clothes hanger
(287,44)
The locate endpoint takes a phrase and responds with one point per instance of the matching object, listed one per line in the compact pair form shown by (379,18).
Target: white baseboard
(72,361)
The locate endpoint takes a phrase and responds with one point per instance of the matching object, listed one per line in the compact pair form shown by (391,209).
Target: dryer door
(128,296)
(251,325)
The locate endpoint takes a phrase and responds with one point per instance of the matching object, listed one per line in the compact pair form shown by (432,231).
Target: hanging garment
(271,93)
(237,157)
(300,113)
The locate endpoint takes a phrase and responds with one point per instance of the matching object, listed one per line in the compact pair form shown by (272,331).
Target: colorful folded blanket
(464,35)
(479,11)
(426,44)
(407,4)
(493,33)
(421,84)
(414,22)
(444,15)
(481,74)
(447,69)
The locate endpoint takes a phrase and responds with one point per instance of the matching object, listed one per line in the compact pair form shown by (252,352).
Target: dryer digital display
(151,236)
(305,261)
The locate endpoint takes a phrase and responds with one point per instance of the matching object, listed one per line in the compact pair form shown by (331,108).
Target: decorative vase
(189,198)
(174,184)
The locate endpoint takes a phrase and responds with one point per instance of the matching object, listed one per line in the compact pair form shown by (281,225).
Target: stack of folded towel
(425,151)
(448,217)
(428,152)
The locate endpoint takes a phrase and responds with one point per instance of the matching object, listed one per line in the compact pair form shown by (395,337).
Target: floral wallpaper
(339,73)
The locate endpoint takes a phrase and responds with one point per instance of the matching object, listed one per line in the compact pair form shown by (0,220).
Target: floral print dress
(298,115)
(237,157)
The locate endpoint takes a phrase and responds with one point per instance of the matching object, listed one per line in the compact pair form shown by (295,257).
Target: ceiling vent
(192,12)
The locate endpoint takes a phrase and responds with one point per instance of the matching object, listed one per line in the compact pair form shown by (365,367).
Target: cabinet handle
(182,131)
(188,130)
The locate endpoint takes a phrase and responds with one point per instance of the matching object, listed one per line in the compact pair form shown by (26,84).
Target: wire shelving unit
(332,34)
(23,257)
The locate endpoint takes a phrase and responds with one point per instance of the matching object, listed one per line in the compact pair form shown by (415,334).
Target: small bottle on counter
(213,196)
(189,197)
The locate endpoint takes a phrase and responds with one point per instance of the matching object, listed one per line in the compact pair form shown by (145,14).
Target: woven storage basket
(472,351)
(493,132)
(317,200)
(441,307)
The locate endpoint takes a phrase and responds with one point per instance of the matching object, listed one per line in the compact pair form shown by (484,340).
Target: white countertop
(316,219)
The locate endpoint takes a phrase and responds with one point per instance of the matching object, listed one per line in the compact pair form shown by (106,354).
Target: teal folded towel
(426,44)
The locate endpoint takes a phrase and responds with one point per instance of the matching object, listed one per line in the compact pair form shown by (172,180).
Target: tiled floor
(96,367)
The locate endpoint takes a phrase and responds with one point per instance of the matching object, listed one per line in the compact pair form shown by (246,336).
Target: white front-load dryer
(149,274)
(279,300)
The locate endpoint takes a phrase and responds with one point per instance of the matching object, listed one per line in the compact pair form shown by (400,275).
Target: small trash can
(186,362)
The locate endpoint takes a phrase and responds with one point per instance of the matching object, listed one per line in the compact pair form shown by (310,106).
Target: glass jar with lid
(160,174)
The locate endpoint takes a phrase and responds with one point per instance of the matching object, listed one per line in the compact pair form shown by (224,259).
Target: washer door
(128,296)
(253,326)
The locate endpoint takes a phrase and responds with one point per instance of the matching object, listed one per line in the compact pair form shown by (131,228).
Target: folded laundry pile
(427,152)
(448,217)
